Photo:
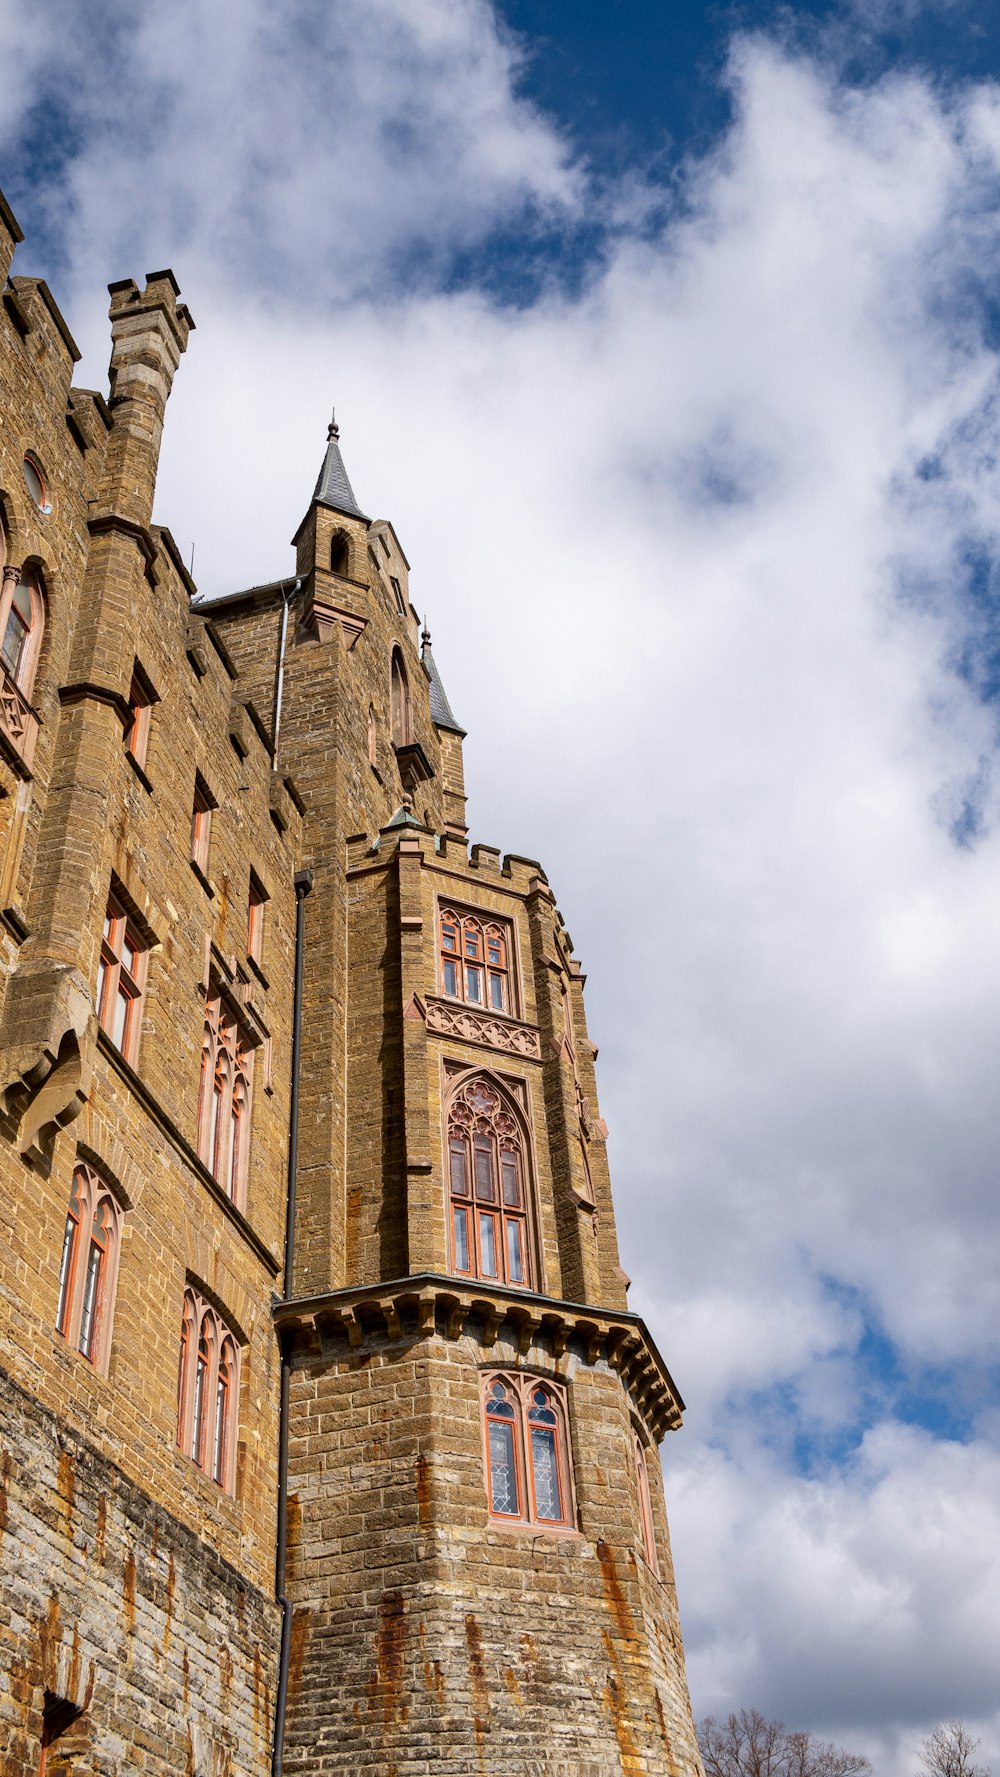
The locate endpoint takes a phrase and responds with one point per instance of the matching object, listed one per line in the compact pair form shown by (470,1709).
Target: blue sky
(666,335)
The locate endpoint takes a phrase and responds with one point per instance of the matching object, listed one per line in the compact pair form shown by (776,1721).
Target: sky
(667,336)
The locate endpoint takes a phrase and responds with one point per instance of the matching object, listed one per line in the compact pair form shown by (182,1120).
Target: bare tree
(748,1745)
(948,1752)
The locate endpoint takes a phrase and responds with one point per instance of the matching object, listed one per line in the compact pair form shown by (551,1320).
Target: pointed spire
(441,711)
(333,488)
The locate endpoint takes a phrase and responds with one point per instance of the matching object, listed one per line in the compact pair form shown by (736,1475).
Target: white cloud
(701,608)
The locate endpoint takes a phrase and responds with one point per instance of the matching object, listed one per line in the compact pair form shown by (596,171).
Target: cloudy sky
(667,335)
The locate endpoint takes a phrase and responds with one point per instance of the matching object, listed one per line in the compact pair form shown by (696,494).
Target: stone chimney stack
(149,331)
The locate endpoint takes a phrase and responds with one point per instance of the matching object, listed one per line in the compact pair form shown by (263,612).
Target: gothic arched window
(88,1267)
(487,1178)
(340,553)
(22,620)
(475,960)
(207,1390)
(402,722)
(224,1100)
(527,1452)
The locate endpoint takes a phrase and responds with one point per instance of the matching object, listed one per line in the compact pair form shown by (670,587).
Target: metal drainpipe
(303,881)
(286,598)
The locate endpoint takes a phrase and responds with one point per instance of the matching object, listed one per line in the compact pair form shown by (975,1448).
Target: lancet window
(88,1267)
(207,1390)
(399,702)
(475,960)
(224,1102)
(645,1506)
(488,1187)
(527,1453)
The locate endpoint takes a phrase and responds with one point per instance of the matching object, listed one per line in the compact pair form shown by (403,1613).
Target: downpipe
(303,881)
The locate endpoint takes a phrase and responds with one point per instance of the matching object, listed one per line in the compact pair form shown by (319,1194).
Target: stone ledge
(430,1303)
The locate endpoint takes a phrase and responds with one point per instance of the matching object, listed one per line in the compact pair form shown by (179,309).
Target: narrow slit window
(201,825)
(140,708)
(256,902)
(121,979)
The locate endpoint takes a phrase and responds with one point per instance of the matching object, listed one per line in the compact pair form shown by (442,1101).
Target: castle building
(328,1441)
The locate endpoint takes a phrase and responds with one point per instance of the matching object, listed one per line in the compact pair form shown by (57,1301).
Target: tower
(330,1437)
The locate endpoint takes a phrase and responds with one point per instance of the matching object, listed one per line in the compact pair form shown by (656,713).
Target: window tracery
(527,1453)
(487,1186)
(475,960)
(207,1390)
(224,1100)
(88,1267)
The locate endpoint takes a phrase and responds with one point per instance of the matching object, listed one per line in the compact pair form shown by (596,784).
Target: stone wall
(108,1604)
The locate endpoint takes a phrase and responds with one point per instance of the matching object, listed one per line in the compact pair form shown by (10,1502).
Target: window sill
(208,887)
(563,1532)
(139,772)
(254,966)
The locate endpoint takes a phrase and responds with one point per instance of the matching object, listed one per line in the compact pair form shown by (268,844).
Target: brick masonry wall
(107,1602)
(428,1638)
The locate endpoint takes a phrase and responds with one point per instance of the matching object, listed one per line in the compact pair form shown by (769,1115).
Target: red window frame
(22,621)
(487,1187)
(88,1268)
(208,1391)
(224,1100)
(532,1409)
(140,706)
(201,824)
(474,960)
(121,979)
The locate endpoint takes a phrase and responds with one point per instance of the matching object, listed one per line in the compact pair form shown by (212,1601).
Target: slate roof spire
(333,488)
(441,711)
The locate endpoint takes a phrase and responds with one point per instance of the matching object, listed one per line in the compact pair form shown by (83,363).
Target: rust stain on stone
(168,1608)
(225,1678)
(477,1676)
(49,1638)
(433,1674)
(614,1597)
(128,1590)
(614,1699)
(65,1492)
(4,1482)
(101,1532)
(384,1686)
(293,1525)
(513,1687)
(186,1674)
(297,1648)
(423,1490)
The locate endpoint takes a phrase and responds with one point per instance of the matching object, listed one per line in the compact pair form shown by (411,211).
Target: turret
(149,331)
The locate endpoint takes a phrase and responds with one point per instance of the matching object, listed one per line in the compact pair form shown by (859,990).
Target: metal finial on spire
(333,430)
(425,634)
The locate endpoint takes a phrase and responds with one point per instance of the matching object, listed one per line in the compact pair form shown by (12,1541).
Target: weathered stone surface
(138,1620)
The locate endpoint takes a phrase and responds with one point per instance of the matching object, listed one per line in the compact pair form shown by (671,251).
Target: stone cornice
(423,1304)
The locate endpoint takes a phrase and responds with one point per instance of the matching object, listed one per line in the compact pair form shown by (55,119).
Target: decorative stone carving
(470,1026)
(18,722)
